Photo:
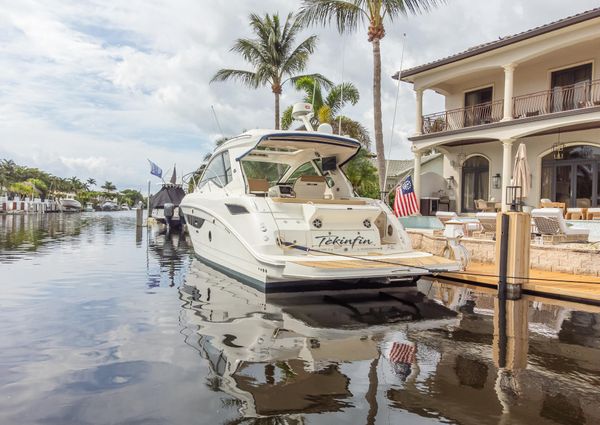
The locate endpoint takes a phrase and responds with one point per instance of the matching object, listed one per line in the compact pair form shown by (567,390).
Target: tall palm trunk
(379,147)
(277,111)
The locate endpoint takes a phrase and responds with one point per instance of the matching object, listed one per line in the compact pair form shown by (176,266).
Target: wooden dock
(544,283)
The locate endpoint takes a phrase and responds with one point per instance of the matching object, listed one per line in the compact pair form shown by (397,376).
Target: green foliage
(363,175)
(108,186)
(130,197)
(272,55)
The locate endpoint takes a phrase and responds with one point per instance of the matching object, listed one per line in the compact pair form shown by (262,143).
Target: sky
(94,88)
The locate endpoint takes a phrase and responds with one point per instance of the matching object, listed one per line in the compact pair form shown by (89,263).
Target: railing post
(419,112)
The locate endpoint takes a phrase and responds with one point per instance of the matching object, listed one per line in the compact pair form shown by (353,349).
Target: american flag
(402,356)
(402,353)
(405,202)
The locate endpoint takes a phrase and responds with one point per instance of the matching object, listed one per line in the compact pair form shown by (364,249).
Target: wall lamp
(497,181)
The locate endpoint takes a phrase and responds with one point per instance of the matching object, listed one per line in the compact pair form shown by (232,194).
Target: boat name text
(333,240)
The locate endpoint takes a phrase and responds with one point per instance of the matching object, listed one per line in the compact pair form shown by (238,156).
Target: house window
(570,88)
(478,107)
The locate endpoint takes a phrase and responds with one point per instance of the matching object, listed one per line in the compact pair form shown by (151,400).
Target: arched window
(475,181)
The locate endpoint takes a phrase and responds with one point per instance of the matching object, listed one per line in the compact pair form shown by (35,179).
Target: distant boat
(125,207)
(89,207)
(69,203)
(164,205)
(109,206)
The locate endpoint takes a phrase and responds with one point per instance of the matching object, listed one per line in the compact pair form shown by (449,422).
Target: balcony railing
(484,113)
(566,98)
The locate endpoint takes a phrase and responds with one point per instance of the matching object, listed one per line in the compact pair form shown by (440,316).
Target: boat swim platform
(378,263)
(577,288)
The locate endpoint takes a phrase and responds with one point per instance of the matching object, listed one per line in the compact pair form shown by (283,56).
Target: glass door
(562,184)
(584,182)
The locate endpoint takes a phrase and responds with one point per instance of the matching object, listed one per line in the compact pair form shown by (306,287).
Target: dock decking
(564,285)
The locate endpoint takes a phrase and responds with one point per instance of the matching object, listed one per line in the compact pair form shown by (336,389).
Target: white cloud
(94,88)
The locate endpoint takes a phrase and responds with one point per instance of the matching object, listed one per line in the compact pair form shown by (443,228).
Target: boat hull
(297,270)
(70,205)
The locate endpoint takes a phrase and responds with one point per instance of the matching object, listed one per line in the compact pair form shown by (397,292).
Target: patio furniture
(576,213)
(483,205)
(487,220)
(550,223)
(444,201)
(593,214)
(545,204)
(444,216)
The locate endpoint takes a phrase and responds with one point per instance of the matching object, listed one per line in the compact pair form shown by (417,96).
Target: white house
(540,87)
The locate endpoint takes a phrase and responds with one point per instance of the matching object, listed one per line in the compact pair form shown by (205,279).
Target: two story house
(540,87)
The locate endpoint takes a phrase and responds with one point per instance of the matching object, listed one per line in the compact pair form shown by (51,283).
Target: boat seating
(258,186)
(487,220)
(551,224)
(310,187)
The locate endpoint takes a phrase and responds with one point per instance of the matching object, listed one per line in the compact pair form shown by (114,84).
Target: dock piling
(513,239)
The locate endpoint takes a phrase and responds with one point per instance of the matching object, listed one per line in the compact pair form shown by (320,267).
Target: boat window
(306,169)
(215,171)
(262,170)
(227,165)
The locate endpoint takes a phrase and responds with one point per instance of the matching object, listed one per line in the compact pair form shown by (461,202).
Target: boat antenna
(217,120)
(342,87)
(395,112)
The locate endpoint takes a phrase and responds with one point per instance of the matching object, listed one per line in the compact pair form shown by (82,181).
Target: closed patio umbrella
(521,173)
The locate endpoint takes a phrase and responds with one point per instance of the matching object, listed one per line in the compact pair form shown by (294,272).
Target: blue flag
(155,170)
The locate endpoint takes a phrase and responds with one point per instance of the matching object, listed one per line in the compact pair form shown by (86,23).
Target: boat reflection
(286,355)
(448,356)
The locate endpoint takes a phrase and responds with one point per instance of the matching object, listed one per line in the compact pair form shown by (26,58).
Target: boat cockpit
(299,170)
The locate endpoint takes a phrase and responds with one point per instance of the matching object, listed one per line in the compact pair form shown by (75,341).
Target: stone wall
(582,259)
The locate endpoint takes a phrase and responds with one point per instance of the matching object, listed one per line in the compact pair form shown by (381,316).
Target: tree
(327,107)
(91,182)
(348,16)
(108,186)
(272,55)
(363,175)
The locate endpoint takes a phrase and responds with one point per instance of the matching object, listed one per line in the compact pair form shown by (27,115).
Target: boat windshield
(263,170)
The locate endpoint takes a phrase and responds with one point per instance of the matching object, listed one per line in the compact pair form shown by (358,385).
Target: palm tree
(108,186)
(272,55)
(348,16)
(327,107)
(91,182)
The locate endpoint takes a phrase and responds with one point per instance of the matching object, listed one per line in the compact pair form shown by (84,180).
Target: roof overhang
(497,44)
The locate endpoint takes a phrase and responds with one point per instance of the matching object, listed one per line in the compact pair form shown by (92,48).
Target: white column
(417,175)
(506,169)
(419,112)
(509,71)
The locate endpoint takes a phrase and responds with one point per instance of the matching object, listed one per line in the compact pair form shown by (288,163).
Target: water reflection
(103,323)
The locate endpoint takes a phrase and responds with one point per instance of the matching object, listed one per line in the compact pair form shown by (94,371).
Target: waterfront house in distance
(540,87)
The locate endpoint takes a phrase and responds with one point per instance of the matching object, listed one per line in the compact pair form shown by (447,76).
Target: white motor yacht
(69,203)
(275,210)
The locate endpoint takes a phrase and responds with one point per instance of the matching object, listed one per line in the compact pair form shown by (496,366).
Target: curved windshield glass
(262,170)
(306,169)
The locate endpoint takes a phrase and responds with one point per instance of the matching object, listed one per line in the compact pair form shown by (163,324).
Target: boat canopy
(280,147)
(168,194)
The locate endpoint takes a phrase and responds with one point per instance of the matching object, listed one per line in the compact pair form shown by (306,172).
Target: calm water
(100,325)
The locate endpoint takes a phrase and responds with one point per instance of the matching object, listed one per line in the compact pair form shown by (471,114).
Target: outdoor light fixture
(497,181)
(450,182)
(558,149)
(461,158)
(513,197)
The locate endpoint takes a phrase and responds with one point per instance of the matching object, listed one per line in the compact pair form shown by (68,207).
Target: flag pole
(148,201)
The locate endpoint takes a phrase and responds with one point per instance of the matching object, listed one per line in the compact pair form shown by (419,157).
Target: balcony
(560,99)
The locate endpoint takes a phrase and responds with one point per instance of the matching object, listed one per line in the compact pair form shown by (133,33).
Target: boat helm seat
(310,187)
(258,186)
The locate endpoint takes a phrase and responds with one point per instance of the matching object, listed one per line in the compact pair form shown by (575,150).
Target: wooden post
(516,252)
(511,335)
(139,217)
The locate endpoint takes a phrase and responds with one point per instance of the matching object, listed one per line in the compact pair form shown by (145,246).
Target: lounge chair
(487,220)
(593,214)
(444,216)
(551,224)
(483,206)
(576,213)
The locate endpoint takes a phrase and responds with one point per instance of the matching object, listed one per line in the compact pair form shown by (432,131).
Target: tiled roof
(504,41)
